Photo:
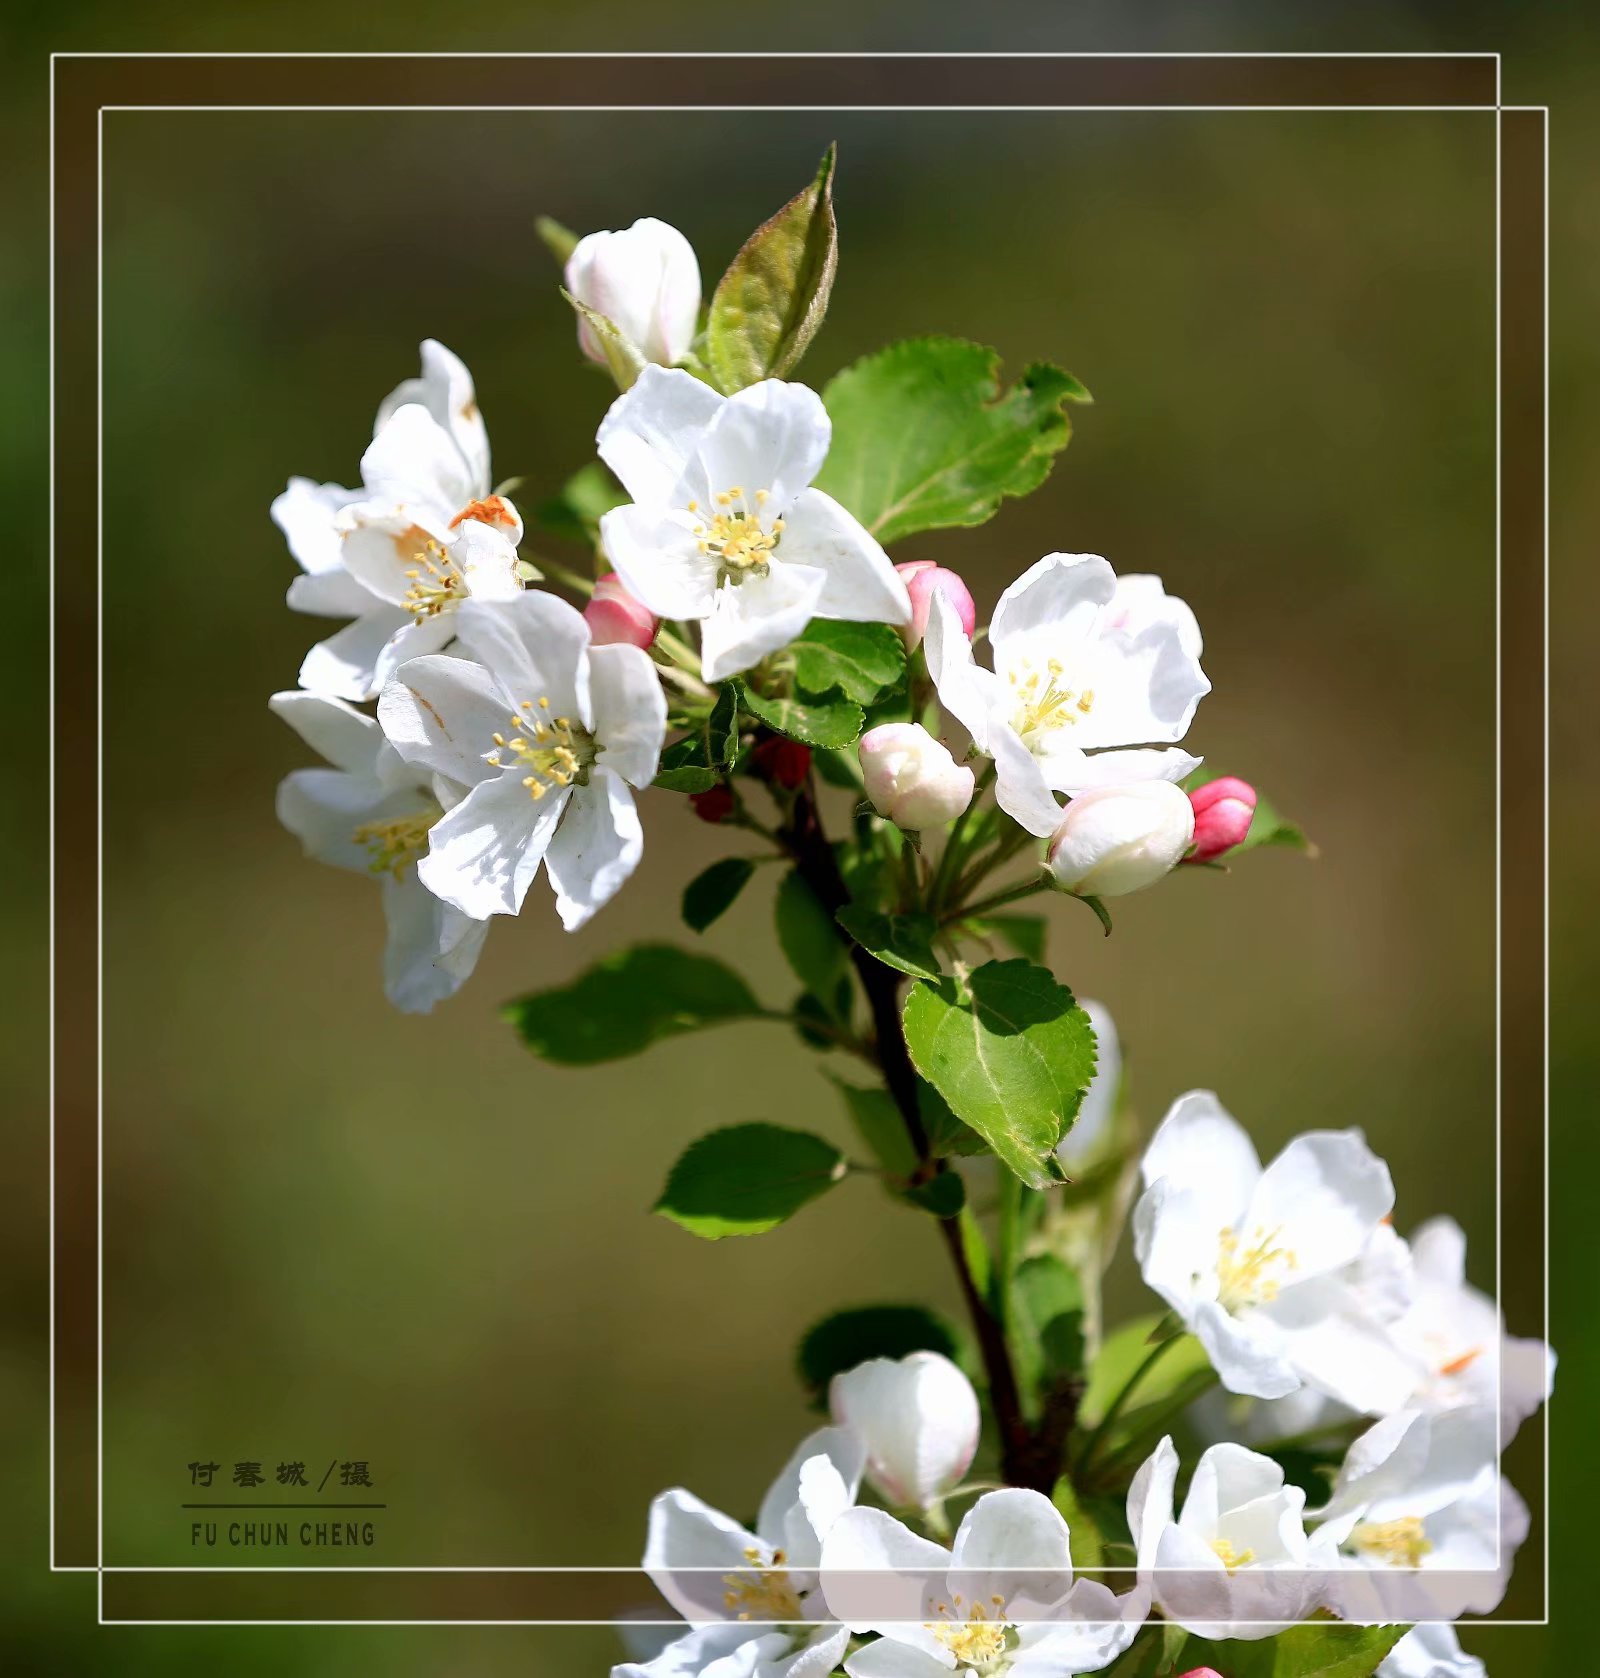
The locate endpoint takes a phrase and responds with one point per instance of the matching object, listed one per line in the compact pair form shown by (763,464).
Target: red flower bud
(923,580)
(715,804)
(1203,1672)
(614,616)
(785,763)
(1222,812)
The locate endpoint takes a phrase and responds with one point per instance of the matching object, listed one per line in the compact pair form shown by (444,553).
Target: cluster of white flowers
(515,729)
(1299,1289)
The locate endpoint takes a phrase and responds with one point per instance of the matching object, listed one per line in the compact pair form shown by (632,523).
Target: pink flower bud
(645,281)
(1203,1672)
(1222,812)
(923,580)
(614,616)
(911,779)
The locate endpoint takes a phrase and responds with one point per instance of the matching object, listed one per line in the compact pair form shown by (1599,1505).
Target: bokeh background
(332,1230)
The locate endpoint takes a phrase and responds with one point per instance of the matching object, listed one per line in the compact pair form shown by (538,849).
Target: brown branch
(1022,1456)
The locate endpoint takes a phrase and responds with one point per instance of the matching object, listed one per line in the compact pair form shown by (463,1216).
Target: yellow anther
(558,754)
(437,584)
(394,844)
(977,1639)
(1251,1275)
(1230,1557)
(1400,1543)
(766,1592)
(1058,705)
(737,539)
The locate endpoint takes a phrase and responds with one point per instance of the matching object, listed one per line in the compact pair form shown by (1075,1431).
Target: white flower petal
(839,1447)
(484,853)
(307,514)
(965,690)
(1200,1145)
(890,1658)
(1247,1352)
(415,638)
(1061,596)
(597,846)
(345,665)
(918,1417)
(1074,771)
(1085,1642)
(1098,1110)
(651,431)
(387,542)
(1430,1651)
(769,436)
(1012,1545)
(877,1572)
(750,619)
(1327,1191)
(487,560)
(1020,787)
(537,647)
(630,711)
(432,948)
(1140,600)
(413,460)
(1150,1502)
(446,391)
(349,739)
(1339,1348)
(686,1535)
(862,585)
(329,594)
(323,808)
(657,556)
(443,713)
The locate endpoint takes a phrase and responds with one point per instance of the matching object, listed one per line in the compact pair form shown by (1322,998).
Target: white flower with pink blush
(910,778)
(1093,677)
(424,533)
(918,1418)
(645,281)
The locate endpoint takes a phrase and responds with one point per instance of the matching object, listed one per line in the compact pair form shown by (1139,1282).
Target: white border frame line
(1499,109)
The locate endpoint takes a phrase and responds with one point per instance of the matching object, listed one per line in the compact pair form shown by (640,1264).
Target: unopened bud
(1202,1672)
(615,617)
(923,580)
(1222,812)
(1113,840)
(911,779)
(783,763)
(715,804)
(645,281)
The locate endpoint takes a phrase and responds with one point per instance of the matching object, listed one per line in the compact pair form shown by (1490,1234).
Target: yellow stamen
(437,584)
(978,1638)
(1401,1543)
(766,1592)
(1245,1276)
(395,843)
(737,539)
(555,752)
(1230,1557)
(1055,705)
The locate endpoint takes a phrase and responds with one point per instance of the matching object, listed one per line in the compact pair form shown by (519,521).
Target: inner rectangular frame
(85,88)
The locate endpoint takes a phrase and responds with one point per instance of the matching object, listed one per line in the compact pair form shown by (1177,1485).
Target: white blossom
(723,527)
(918,1418)
(1001,1599)
(370,812)
(1091,1131)
(645,281)
(757,1589)
(422,534)
(1083,662)
(1236,1562)
(1256,1263)
(1420,1520)
(551,736)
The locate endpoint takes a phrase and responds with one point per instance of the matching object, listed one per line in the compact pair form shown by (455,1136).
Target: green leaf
(904,942)
(846,1338)
(817,1021)
(1024,933)
(1087,1546)
(924,438)
(944,1194)
(860,660)
(1047,1296)
(769,304)
(1122,1351)
(1317,1649)
(560,241)
(1012,1053)
(710,894)
(628,1001)
(824,723)
(584,499)
(878,1122)
(703,756)
(624,358)
(748,1179)
(810,941)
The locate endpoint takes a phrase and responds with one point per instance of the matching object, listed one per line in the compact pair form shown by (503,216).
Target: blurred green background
(333,1230)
